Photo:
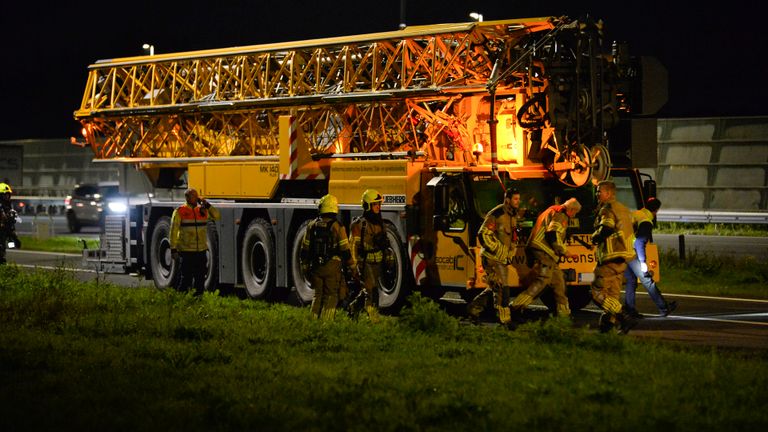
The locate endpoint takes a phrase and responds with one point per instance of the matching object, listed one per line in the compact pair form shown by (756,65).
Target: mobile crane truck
(440,119)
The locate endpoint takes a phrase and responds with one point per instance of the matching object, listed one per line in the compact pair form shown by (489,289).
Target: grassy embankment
(85,357)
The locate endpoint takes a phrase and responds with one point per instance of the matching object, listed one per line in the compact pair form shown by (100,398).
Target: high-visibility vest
(189,228)
(638,217)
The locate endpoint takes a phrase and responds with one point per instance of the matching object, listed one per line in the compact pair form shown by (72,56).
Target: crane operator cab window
(450,203)
(457,207)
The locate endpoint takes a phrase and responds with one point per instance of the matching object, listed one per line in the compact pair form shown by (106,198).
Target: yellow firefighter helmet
(4,188)
(371,196)
(328,204)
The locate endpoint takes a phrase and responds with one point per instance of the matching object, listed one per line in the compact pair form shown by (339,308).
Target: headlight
(117,207)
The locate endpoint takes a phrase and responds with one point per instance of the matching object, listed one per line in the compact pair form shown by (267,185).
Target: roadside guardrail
(690,216)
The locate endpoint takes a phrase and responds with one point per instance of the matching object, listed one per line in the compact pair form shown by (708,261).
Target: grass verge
(62,244)
(706,274)
(90,357)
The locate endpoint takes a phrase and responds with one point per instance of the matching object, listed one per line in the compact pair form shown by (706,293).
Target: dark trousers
(193,269)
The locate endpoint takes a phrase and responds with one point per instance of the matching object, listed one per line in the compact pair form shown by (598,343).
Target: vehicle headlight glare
(117,207)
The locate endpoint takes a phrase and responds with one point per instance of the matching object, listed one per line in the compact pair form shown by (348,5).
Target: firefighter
(498,238)
(323,248)
(7,221)
(642,222)
(370,249)
(546,245)
(189,239)
(613,229)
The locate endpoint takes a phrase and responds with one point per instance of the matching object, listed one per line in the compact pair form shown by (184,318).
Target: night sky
(716,59)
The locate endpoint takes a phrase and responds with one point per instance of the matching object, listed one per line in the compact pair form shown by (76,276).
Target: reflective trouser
(326,281)
(633,273)
(370,280)
(193,269)
(606,288)
(497,291)
(546,271)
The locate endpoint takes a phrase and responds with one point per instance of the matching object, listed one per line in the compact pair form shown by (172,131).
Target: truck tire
(304,292)
(394,284)
(257,259)
(165,271)
(212,274)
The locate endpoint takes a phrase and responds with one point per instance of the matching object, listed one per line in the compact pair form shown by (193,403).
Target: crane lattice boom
(422,88)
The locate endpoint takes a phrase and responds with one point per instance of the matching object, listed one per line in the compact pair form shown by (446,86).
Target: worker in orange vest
(189,239)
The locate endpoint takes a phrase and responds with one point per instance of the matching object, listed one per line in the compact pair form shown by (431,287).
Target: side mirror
(649,188)
(440,222)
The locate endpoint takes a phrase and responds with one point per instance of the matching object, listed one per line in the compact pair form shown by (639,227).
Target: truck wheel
(258,259)
(72,223)
(394,281)
(165,271)
(300,282)
(212,274)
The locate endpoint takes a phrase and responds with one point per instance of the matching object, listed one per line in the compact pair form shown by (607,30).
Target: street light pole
(402,14)
(476,16)
(149,47)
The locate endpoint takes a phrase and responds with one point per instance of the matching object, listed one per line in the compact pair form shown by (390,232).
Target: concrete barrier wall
(51,169)
(718,164)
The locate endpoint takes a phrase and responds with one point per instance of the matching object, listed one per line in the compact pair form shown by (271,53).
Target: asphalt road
(708,321)
(53,261)
(700,320)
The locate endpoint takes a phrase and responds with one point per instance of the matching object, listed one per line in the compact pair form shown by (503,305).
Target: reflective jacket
(613,231)
(367,240)
(552,221)
(340,250)
(497,235)
(189,228)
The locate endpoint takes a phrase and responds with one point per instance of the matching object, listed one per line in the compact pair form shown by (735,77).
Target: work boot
(633,312)
(604,324)
(473,318)
(626,322)
(671,306)
(516,316)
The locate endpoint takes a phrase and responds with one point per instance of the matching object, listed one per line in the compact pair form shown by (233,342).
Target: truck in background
(440,119)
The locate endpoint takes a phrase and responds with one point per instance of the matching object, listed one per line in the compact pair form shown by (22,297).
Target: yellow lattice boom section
(387,91)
